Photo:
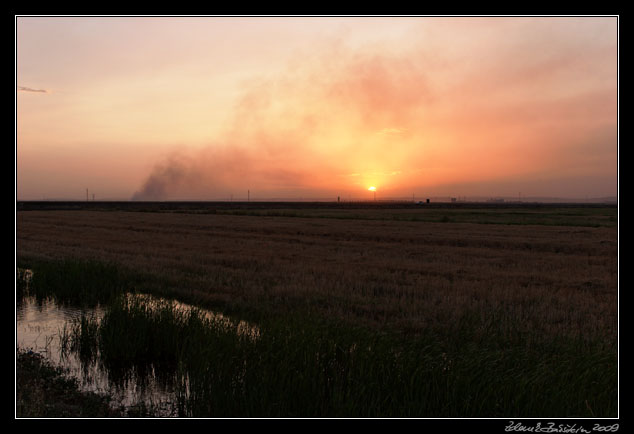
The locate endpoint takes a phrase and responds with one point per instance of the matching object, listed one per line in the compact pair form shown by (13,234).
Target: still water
(40,327)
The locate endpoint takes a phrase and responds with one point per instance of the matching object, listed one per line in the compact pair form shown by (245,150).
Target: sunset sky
(206,108)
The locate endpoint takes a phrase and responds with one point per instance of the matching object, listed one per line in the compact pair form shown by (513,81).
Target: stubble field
(410,275)
(455,284)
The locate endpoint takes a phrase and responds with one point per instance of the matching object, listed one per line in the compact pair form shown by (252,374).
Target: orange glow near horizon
(315,107)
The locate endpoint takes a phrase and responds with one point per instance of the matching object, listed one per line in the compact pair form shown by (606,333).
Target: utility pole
(248,195)
(86,195)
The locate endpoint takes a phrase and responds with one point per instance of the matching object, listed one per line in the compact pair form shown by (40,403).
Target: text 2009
(606,428)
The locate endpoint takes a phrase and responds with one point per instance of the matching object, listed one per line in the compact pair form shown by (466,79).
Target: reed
(78,282)
(310,367)
(80,336)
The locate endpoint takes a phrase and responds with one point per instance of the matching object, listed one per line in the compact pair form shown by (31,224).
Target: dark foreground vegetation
(355,318)
(44,391)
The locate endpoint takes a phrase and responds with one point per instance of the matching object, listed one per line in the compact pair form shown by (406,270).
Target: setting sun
(298,108)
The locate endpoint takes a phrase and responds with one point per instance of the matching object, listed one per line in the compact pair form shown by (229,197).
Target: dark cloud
(30,89)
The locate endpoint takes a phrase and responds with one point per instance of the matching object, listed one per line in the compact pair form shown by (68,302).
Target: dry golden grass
(554,280)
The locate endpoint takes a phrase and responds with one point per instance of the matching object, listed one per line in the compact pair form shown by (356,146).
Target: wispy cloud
(30,89)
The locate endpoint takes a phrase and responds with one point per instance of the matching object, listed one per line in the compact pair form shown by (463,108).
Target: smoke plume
(403,117)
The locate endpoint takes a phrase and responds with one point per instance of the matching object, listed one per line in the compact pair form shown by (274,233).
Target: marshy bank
(45,391)
(299,364)
(126,348)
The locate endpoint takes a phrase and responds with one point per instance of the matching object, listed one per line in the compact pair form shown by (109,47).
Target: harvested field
(408,276)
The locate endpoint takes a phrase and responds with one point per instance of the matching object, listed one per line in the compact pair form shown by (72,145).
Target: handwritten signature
(551,427)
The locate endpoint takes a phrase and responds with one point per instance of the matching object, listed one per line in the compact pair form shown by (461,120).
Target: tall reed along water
(129,349)
(160,357)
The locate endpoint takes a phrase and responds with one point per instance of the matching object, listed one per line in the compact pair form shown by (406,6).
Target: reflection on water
(42,324)
(241,328)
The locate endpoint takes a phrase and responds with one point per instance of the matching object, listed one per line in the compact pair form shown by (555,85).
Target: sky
(214,108)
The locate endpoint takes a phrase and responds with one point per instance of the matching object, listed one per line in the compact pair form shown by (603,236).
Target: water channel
(42,324)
